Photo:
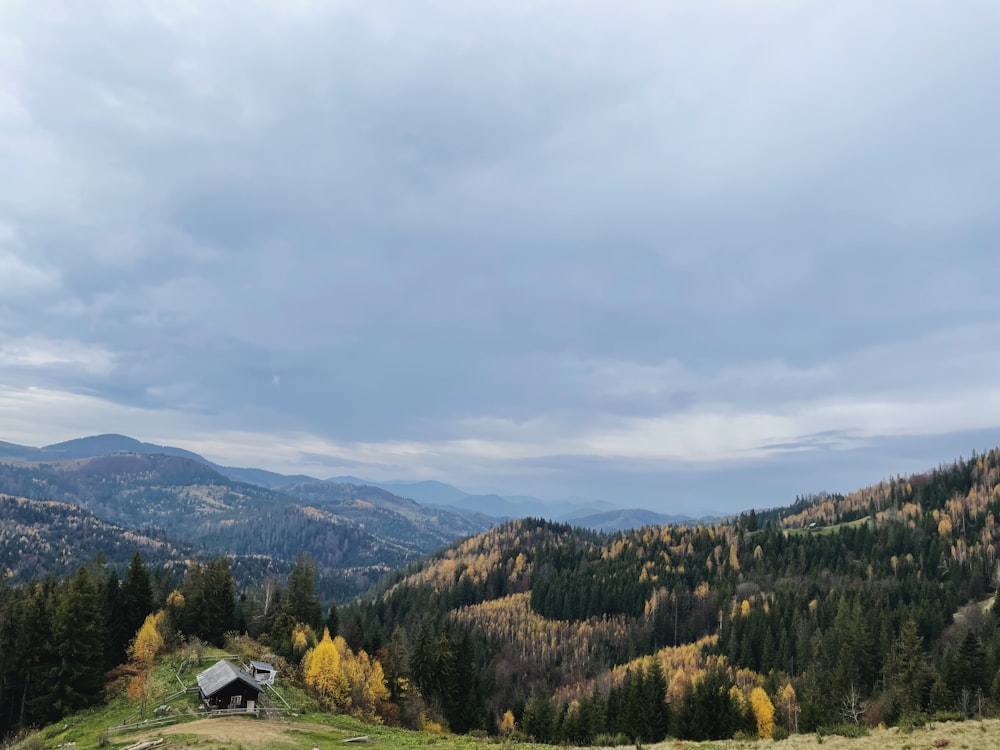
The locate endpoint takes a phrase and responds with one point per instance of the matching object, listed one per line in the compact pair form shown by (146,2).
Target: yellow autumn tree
(303,638)
(506,724)
(148,640)
(345,681)
(763,712)
(790,703)
(324,674)
(365,681)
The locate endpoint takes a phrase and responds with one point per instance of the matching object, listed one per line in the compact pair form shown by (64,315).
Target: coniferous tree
(422,662)
(115,636)
(209,594)
(638,711)
(539,720)
(707,710)
(969,671)
(397,663)
(77,645)
(333,619)
(136,597)
(656,698)
(301,600)
(221,593)
(909,677)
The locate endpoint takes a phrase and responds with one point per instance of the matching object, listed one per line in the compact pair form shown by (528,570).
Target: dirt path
(238,730)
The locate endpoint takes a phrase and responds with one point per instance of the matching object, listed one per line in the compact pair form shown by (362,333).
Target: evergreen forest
(837,613)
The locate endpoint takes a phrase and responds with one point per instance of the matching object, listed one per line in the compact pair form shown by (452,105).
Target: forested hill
(882,610)
(354,533)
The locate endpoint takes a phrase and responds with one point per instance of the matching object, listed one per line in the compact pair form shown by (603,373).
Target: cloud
(460,241)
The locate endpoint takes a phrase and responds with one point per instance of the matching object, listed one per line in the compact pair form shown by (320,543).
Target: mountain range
(875,606)
(62,506)
(586,513)
(111,494)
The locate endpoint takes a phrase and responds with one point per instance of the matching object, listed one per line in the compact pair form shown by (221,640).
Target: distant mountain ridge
(354,533)
(478,508)
(106,444)
(587,513)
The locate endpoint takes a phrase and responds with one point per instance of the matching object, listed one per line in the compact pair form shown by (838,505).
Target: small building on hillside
(262,672)
(227,687)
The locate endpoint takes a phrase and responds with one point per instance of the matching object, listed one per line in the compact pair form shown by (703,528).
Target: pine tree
(78,645)
(397,663)
(301,601)
(638,711)
(539,720)
(209,595)
(136,598)
(333,619)
(656,699)
(910,676)
(116,636)
(422,668)
(969,671)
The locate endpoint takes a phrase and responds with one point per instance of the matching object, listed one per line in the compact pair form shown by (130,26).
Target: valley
(837,614)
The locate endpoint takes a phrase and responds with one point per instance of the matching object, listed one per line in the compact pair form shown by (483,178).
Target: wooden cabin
(226,687)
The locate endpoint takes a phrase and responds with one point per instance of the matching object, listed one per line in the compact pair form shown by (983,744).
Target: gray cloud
(505,227)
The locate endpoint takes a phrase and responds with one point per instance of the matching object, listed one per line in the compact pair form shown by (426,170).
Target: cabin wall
(248,699)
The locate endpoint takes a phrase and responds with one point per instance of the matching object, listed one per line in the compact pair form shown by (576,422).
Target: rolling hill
(354,533)
(839,611)
(823,597)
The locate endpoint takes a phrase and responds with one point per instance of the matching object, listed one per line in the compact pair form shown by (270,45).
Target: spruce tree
(74,680)
(301,600)
(656,699)
(117,635)
(136,598)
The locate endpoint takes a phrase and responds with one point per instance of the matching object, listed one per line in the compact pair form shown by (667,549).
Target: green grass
(327,731)
(830,529)
(313,728)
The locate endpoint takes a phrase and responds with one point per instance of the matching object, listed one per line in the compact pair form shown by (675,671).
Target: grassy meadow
(119,725)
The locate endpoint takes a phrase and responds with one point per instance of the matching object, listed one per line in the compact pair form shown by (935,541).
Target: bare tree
(852,707)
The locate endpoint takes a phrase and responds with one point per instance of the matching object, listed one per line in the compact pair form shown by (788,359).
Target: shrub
(948,716)
(909,722)
(845,730)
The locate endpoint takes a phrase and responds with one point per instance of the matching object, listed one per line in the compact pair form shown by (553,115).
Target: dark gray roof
(262,666)
(213,679)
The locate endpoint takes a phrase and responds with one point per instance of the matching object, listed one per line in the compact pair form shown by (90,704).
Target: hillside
(44,537)
(117,724)
(353,533)
(480,510)
(899,567)
(836,614)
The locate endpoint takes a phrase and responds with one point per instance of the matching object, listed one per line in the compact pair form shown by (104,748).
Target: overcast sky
(688,255)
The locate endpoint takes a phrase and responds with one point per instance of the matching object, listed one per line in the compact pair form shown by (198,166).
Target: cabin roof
(262,666)
(223,673)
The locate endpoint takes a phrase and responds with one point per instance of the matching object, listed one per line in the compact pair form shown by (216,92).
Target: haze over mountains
(112,494)
(589,513)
